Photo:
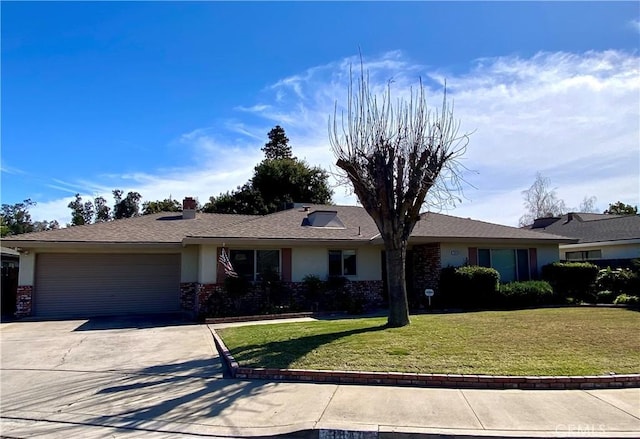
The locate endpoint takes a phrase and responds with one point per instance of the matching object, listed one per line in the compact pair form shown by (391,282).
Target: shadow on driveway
(141,321)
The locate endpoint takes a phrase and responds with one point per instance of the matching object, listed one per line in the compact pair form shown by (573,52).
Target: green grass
(551,341)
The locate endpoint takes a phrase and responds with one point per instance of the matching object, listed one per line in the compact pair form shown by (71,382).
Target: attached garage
(84,285)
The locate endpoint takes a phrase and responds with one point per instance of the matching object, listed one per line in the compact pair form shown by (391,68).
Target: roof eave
(293,242)
(90,244)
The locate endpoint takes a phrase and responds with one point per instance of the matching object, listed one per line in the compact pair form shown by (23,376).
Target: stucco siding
(315,261)
(309,260)
(453,255)
(189,264)
(26,274)
(369,263)
(207,264)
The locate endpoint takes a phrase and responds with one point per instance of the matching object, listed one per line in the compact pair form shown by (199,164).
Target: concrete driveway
(137,377)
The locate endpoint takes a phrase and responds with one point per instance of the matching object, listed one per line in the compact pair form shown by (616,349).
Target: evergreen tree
(620,208)
(280,179)
(278,145)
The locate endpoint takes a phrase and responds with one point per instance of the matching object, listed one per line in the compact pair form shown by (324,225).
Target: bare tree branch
(398,158)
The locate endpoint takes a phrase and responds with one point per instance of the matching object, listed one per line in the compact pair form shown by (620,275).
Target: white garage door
(84,285)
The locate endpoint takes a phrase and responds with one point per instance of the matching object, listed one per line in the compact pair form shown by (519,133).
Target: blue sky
(176,98)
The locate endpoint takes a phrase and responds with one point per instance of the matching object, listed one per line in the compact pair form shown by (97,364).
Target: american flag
(226,263)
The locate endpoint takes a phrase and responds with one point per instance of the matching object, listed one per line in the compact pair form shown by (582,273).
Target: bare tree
(588,205)
(540,201)
(393,155)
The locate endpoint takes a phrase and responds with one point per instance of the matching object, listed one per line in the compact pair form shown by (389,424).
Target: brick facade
(426,267)
(212,300)
(188,296)
(24,301)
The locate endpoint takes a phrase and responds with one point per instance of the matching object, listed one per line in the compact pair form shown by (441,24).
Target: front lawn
(552,341)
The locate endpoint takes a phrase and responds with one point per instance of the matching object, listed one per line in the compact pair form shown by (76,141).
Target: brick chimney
(189,207)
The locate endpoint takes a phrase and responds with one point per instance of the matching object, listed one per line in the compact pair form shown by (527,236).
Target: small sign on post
(429,293)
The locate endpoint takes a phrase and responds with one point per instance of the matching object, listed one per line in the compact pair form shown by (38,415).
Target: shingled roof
(435,226)
(159,228)
(352,224)
(589,227)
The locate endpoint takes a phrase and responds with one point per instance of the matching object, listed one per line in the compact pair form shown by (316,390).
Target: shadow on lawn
(281,354)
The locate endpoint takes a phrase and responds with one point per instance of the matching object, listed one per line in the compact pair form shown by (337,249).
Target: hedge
(525,294)
(574,280)
(469,286)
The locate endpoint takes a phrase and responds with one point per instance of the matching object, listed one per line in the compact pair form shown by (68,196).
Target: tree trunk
(396,255)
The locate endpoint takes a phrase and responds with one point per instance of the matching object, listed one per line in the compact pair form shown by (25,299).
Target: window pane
(523,264)
(573,256)
(335,263)
(484,258)
(594,254)
(504,261)
(268,262)
(349,257)
(242,261)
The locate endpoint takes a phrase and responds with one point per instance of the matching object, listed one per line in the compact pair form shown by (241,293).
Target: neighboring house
(169,262)
(602,238)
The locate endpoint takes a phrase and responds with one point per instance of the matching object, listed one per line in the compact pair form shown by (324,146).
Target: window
(512,264)
(252,264)
(342,263)
(583,255)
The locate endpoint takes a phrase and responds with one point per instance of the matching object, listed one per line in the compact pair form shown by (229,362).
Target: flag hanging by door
(226,264)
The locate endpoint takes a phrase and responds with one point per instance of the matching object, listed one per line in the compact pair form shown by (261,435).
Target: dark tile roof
(596,227)
(170,228)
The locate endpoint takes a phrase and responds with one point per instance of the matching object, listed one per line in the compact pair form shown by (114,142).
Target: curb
(453,381)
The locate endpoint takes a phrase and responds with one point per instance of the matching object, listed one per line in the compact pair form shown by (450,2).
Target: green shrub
(524,294)
(469,286)
(619,280)
(572,279)
(606,296)
(313,287)
(624,299)
(236,287)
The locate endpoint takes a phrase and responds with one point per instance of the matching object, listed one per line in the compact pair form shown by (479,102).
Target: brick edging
(214,320)
(425,380)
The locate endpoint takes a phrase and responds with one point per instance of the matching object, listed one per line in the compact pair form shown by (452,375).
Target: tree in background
(283,181)
(278,180)
(278,145)
(244,200)
(588,205)
(16,219)
(394,153)
(620,208)
(166,205)
(102,211)
(43,226)
(126,207)
(81,212)
(540,201)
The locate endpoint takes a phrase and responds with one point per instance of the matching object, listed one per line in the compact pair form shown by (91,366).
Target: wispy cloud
(574,117)
(6,169)
(635,25)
